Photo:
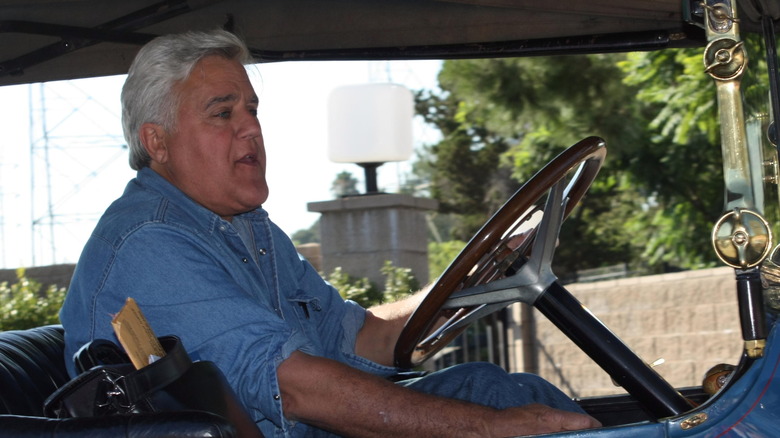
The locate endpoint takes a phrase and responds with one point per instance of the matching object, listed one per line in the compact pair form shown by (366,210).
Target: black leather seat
(32,366)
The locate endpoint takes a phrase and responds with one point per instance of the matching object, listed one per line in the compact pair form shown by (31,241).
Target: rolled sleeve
(260,391)
(352,321)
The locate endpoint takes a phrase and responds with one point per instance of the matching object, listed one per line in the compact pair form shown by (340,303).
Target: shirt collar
(201,215)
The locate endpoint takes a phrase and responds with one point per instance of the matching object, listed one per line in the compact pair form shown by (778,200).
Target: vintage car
(46,40)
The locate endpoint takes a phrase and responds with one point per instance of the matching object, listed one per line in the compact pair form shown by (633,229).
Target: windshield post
(742,237)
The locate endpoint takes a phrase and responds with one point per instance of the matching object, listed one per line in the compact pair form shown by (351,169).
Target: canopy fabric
(64,39)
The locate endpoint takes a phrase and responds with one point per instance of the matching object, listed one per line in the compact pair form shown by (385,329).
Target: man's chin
(258,201)
(263,198)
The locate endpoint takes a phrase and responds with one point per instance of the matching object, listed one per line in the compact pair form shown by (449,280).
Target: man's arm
(327,394)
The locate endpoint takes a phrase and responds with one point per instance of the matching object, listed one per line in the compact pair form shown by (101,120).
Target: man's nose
(249,126)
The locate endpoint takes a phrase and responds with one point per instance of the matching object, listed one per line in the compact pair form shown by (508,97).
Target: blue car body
(747,407)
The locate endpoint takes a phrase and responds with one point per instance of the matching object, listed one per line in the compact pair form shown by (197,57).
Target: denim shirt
(245,304)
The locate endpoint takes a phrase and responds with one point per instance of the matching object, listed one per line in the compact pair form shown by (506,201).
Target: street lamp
(369,125)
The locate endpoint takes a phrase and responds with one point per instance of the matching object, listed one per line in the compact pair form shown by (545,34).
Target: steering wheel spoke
(461,321)
(547,236)
(504,291)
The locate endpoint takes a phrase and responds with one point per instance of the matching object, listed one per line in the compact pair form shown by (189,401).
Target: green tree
(660,191)
(463,168)
(531,110)
(344,185)
(678,165)
(307,235)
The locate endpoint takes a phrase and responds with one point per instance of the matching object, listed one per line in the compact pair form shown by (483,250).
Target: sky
(63,160)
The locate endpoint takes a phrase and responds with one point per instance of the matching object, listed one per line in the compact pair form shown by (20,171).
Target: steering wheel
(509,260)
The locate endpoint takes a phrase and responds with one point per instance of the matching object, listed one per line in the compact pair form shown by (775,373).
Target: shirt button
(245,260)
(277,397)
(222,228)
(262,251)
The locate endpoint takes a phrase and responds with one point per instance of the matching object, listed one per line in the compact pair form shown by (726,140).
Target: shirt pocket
(306,308)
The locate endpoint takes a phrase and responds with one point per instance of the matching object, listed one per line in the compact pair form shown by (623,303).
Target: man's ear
(153,139)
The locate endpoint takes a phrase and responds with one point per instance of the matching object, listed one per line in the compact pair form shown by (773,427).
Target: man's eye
(253,112)
(224,114)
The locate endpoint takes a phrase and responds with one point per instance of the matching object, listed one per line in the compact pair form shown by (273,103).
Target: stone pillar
(360,233)
(311,251)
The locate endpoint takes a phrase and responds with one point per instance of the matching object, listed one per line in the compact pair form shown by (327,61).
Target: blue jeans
(489,385)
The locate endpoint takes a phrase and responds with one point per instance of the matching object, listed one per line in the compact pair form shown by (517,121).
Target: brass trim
(725,59)
(742,238)
(694,420)
(755,348)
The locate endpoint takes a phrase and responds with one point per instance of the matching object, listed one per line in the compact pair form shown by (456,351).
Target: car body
(45,40)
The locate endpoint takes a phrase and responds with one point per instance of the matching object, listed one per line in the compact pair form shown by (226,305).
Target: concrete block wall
(58,275)
(689,319)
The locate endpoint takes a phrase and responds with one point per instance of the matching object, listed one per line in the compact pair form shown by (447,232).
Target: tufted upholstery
(32,366)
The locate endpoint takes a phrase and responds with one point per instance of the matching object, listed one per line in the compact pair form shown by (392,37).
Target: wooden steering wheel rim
(589,153)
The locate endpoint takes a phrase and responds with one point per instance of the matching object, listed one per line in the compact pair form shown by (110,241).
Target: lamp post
(369,125)
(369,170)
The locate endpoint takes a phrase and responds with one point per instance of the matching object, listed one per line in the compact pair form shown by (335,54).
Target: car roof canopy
(65,39)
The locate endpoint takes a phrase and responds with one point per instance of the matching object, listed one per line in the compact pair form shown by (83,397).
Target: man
(190,242)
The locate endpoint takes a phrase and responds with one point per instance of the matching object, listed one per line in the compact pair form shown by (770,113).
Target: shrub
(25,305)
(356,289)
(399,282)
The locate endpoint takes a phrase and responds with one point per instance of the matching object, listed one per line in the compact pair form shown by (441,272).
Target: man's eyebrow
(229,98)
(221,99)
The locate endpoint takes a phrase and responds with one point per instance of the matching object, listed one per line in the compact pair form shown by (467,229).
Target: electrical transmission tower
(78,164)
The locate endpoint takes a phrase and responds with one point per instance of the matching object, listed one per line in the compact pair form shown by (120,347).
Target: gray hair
(148,95)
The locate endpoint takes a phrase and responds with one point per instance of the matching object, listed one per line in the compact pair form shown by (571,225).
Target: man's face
(216,154)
